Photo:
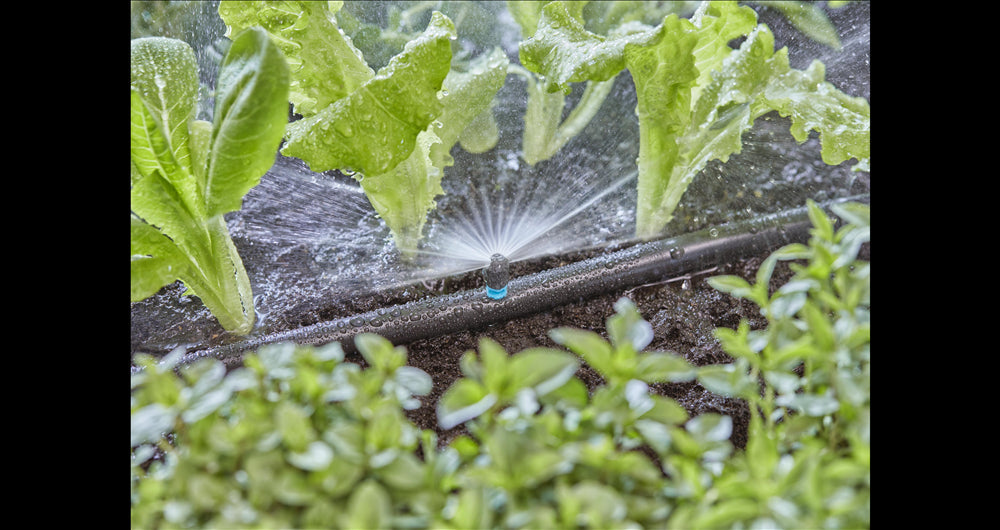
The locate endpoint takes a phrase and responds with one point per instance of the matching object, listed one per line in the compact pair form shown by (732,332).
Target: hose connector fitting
(497,274)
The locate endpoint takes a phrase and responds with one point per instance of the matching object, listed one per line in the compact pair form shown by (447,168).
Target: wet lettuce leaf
(393,129)
(187,173)
(695,94)
(325,64)
(558,45)
(375,127)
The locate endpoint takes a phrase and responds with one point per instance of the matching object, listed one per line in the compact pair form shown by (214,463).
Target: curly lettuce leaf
(468,97)
(325,64)
(374,128)
(843,122)
(562,51)
(405,194)
(526,13)
(745,84)
(696,95)
(718,23)
(663,72)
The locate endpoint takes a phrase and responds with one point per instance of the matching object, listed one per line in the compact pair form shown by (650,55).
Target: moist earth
(682,311)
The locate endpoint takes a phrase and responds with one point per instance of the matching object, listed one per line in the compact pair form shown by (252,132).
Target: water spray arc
(641,264)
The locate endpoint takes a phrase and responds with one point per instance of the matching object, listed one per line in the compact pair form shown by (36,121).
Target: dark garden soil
(683,312)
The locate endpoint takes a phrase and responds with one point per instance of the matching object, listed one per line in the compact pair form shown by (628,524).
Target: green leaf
(726,513)
(626,328)
(317,455)
(251,110)
(527,14)
(663,71)
(664,367)
(594,350)
(151,422)
(737,342)
(843,122)
(468,101)
(733,285)
(710,427)
(809,18)
(154,258)
(718,23)
(666,411)
(563,51)
(405,194)
(727,379)
(472,509)
(542,369)
(152,155)
(496,375)
(294,425)
(374,128)
(369,507)
(589,504)
(463,401)
(165,76)
(325,64)
(380,353)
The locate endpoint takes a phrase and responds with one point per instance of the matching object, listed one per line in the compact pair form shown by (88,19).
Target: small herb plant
(299,438)
(296,438)
(696,95)
(188,173)
(392,129)
(808,457)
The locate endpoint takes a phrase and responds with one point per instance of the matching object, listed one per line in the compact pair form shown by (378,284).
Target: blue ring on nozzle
(497,274)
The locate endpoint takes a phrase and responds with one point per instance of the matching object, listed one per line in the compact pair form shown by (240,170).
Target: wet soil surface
(682,311)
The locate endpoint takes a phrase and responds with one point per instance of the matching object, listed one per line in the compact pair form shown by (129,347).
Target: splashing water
(526,218)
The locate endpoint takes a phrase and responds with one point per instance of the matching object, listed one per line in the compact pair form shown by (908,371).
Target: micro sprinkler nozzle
(497,274)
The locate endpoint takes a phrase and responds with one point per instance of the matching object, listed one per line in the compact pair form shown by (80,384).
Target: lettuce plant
(188,173)
(392,129)
(545,129)
(696,95)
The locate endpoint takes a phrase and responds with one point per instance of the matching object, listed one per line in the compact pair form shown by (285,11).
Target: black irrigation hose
(637,265)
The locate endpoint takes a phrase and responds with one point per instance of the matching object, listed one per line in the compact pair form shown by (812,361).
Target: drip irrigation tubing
(637,265)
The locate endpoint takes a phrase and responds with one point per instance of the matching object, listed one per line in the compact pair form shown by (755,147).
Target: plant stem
(225,292)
